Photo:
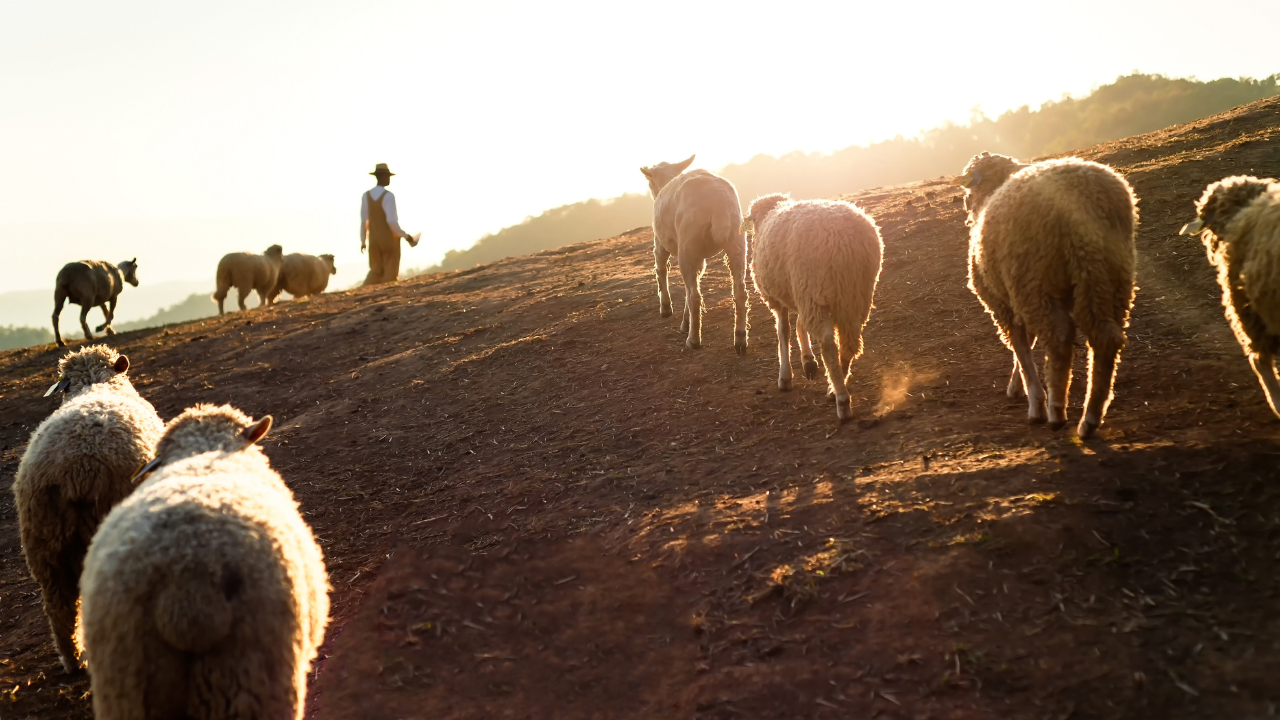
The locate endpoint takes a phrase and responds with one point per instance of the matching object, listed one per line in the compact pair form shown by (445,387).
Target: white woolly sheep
(696,215)
(821,260)
(90,283)
(303,275)
(1238,219)
(1051,248)
(77,466)
(249,272)
(204,594)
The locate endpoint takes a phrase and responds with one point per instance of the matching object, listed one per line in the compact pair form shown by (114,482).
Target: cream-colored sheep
(821,260)
(696,215)
(204,592)
(77,466)
(1238,219)
(249,272)
(303,275)
(1051,248)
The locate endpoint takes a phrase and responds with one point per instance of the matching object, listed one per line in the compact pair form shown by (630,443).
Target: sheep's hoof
(843,411)
(666,312)
(70,666)
(811,369)
(111,331)
(1057,424)
(1015,392)
(784,383)
(740,347)
(1087,429)
(692,344)
(61,344)
(1036,418)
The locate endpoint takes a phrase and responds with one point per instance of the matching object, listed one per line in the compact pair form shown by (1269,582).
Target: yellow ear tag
(1195,227)
(748,226)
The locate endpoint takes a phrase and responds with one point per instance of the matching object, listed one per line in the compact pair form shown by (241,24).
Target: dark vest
(379,229)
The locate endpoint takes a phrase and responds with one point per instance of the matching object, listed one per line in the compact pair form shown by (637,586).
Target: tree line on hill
(1132,105)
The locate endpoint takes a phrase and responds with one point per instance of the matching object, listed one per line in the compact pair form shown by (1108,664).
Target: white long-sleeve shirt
(388,207)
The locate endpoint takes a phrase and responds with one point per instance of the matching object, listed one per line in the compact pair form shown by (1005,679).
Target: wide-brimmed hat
(381,168)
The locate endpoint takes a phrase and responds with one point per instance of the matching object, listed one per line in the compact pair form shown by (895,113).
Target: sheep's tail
(223,282)
(193,612)
(1103,273)
(855,294)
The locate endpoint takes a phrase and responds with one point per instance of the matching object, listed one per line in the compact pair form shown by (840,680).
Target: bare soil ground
(535,503)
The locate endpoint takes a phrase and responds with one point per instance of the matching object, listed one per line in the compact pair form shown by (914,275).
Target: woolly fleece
(205,593)
(1242,240)
(302,275)
(820,259)
(77,466)
(696,215)
(248,272)
(1051,249)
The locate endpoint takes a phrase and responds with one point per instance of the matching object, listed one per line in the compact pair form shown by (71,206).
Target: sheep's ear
(960,180)
(645,170)
(121,364)
(1192,228)
(682,166)
(134,261)
(257,431)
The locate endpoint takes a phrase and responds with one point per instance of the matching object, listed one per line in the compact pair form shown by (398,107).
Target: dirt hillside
(535,503)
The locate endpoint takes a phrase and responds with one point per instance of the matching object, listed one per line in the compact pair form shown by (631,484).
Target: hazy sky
(178,131)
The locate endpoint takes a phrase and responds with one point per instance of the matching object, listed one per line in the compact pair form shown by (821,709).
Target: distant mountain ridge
(1131,105)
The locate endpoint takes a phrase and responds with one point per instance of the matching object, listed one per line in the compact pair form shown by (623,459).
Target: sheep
(302,275)
(696,215)
(1051,248)
(91,283)
(204,593)
(78,465)
(247,271)
(820,259)
(1238,220)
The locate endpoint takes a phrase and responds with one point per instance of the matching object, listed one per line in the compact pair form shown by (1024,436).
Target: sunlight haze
(177,132)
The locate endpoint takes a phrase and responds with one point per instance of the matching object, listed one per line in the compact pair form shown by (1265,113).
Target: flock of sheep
(1051,251)
(200,590)
(96,283)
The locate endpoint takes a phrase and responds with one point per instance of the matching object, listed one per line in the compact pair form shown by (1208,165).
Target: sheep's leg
(661,261)
(1104,354)
(782,321)
(84,321)
(59,298)
(806,351)
(1015,390)
(59,590)
(1264,366)
(1058,352)
(108,315)
(1057,372)
(1035,393)
(831,359)
(691,270)
(738,269)
(241,292)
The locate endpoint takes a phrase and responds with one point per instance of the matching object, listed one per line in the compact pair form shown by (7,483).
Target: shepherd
(380,230)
